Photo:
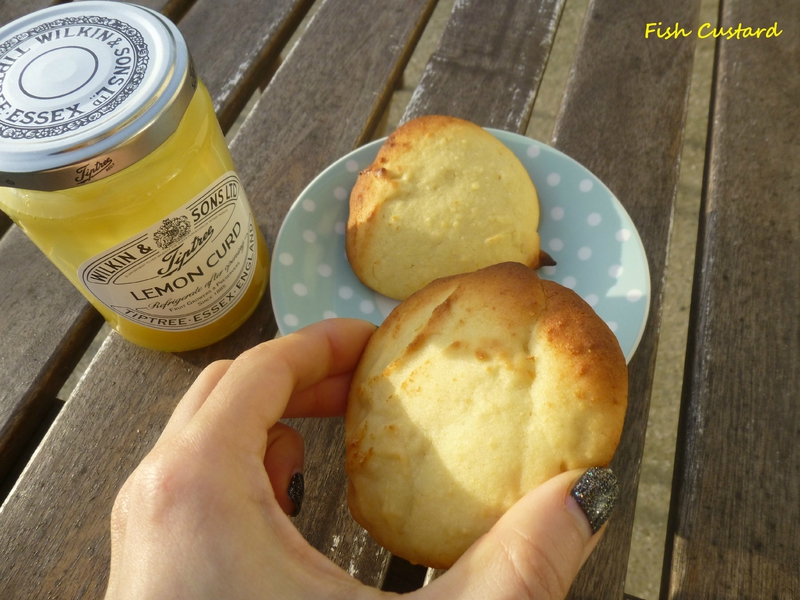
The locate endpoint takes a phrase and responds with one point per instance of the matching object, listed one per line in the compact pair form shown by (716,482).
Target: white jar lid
(87,89)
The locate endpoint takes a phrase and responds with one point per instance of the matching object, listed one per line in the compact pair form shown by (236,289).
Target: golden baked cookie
(442,197)
(475,390)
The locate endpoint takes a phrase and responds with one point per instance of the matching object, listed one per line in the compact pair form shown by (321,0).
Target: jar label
(185,271)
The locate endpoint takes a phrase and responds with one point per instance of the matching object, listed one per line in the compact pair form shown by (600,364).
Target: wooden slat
(166,7)
(489,63)
(172,9)
(323,101)
(14,9)
(231,74)
(47,324)
(48,524)
(39,346)
(623,117)
(50,411)
(735,519)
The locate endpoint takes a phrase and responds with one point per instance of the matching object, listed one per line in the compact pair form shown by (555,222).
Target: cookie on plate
(475,390)
(442,197)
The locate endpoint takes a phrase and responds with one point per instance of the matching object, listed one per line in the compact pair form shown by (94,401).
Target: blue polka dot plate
(582,226)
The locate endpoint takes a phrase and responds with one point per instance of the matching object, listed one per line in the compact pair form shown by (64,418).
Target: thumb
(537,548)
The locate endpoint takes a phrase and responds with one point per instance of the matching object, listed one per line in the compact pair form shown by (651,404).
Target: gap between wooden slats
(736,498)
(646,557)
(489,63)
(233,73)
(45,328)
(623,118)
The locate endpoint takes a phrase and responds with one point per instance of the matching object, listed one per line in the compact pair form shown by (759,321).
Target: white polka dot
(291,320)
(339,227)
(557,213)
(569,282)
(549,270)
(345,293)
(366,306)
(533,151)
(623,235)
(329,314)
(340,193)
(309,236)
(615,271)
(585,253)
(351,166)
(300,289)
(612,325)
(585,185)
(309,205)
(555,244)
(634,295)
(324,270)
(592,299)
(286,258)
(594,219)
(553,179)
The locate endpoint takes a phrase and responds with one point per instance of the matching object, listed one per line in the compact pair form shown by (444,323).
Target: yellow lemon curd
(73,225)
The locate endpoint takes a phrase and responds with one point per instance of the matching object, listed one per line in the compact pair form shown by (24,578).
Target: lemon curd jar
(112,161)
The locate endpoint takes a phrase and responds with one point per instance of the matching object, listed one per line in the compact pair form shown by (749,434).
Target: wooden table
(734,528)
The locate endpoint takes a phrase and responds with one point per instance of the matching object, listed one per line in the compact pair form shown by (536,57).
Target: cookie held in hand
(475,390)
(442,197)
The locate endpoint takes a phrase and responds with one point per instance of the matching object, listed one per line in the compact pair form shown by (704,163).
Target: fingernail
(596,492)
(297,488)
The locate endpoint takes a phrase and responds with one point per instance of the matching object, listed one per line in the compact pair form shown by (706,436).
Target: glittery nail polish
(596,491)
(295,492)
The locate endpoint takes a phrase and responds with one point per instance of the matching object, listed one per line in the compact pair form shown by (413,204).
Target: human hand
(205,513)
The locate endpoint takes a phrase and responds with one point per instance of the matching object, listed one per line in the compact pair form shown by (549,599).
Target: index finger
(256,389)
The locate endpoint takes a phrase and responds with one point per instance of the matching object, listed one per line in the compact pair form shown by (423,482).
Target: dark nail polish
(596,492)
(297,488)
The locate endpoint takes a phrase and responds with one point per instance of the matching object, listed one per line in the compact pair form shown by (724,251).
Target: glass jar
(112,161)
